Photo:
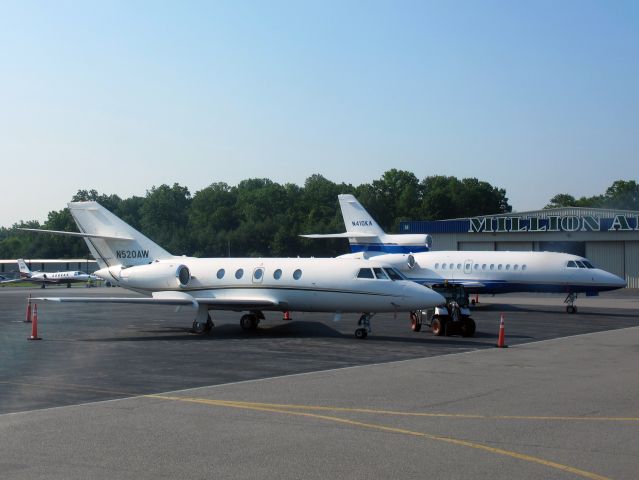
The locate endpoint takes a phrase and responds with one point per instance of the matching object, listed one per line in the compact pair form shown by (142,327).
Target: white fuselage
(502,272)
(57,277)
(303,284)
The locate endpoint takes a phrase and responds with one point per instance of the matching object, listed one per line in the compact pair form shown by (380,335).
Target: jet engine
(154,276)
(402,261)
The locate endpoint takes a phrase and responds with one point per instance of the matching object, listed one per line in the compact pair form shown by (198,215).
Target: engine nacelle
(401,261)
(154,276)
(416,239)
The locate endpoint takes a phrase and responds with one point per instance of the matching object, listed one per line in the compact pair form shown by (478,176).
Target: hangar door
(632,264)
(607,255)
(474,246)
(514,246)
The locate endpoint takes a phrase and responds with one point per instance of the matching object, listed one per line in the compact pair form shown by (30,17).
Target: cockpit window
(379,273)
(580,264)
(571,264)
(365,273)
(393,274)
(587,264)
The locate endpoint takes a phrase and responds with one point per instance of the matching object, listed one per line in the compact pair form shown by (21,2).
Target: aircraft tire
(438,326)
(468,327)
(245,322)
(415,324)
(197,327)
(249,321)
(208,326)
(361,333)
(571,309)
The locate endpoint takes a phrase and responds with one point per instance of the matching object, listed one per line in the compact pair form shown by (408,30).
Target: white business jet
(129,259)
(478,271)
(69,277)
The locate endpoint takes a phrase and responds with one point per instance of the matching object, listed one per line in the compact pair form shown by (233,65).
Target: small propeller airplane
(129,259)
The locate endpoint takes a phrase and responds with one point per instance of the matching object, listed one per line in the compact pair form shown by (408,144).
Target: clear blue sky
(537,97)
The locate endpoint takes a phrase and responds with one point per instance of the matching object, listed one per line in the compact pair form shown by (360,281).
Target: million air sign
(554,223)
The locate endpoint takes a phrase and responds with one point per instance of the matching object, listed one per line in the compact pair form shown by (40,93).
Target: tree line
(259,217)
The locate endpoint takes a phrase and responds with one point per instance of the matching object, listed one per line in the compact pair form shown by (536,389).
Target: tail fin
(111,240)
(365,235)
(357,219)
(24,269)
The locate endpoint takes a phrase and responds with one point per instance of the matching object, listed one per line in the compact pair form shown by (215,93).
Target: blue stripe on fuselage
(385,248)
(502,286)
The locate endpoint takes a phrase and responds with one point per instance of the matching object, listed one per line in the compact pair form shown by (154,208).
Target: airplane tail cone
(28,318)
(502,334)
(34,324)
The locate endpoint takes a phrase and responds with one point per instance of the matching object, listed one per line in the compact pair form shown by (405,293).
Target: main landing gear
(570,300)
(250,321)
(365,326)
(200,327)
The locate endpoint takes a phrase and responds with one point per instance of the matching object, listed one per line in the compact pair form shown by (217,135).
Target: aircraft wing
(14,280)
(32,280)
(340,235)
(177,299)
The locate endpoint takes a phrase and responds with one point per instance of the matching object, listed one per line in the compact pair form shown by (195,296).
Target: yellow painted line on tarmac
(384,428)
(431,415)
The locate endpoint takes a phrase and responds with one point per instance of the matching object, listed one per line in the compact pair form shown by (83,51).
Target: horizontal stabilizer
(341,235)
(77,234)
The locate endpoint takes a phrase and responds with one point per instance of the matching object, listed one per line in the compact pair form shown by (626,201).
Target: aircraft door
(468,266)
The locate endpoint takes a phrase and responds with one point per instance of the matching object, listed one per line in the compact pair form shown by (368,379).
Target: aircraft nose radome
(434,298)
(619,282)
(613,281)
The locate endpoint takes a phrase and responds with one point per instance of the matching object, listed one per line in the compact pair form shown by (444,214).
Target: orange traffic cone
(34,324)
(287,315)
(28,319)
(502,334)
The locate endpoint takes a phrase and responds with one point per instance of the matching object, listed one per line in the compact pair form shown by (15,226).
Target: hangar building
(609,238)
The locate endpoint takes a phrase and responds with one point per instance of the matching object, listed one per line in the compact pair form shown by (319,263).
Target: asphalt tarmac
(279,403)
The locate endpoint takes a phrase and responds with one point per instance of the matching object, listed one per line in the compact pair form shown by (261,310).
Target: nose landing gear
(570,300)
(365,326)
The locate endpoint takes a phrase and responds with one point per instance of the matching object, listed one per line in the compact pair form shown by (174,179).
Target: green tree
(623,195)
(448,197)
(212,218)
(164,217)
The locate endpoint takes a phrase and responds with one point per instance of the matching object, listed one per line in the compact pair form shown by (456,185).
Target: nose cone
(618,282)
(610,281)
(419,296)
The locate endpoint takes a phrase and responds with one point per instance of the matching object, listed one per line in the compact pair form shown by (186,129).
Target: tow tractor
(453,317)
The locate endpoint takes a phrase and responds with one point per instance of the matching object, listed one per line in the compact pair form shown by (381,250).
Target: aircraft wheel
(415,324)
(208,326)
(438,327)
(249,322)
(361,333)
(468,327)
(197,327)
(571,309)
(245,322)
